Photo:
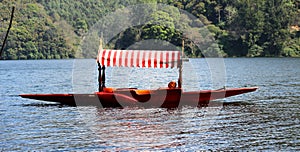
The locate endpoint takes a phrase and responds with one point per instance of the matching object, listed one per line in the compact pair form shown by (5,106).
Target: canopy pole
(103,78)
(180,74)
(100,77)
(180,65)
(100,89)
(182,48)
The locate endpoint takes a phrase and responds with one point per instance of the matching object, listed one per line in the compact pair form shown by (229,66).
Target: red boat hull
(166,98)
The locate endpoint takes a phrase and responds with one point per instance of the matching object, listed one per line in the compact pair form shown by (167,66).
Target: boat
(132,97)
(172,96)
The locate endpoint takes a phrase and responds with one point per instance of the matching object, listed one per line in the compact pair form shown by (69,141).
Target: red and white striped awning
(139,58)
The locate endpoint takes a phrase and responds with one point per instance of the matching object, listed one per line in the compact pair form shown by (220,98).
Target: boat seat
(166,88)
(125,89)
(142,92)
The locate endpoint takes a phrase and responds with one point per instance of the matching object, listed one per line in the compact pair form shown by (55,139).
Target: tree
(278,16)
(161,26)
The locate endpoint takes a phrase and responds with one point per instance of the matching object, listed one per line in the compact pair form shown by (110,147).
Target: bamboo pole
(7,32)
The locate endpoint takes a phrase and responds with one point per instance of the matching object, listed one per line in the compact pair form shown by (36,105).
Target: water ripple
(265,120)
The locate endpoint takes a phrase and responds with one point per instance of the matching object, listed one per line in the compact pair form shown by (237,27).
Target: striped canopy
(139,58)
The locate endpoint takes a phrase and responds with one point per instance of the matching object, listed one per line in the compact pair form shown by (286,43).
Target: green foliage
(34,36)
(292,49)
(55,29)
(161,26)
(255,51)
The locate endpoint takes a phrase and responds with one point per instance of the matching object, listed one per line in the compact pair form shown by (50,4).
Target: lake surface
(267,119)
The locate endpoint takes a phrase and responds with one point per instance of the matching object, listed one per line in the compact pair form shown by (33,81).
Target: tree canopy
(56,29)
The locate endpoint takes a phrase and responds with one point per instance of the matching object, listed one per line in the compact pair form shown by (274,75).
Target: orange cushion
(109,90)
(142,92)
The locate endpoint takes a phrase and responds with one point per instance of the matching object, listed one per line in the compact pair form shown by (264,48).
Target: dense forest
(56,29)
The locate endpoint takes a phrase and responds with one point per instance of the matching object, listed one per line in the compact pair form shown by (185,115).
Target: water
(267,119)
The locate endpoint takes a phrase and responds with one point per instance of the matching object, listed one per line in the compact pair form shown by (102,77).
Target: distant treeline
(55,29)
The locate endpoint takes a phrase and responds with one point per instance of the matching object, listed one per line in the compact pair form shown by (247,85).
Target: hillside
(56,29)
